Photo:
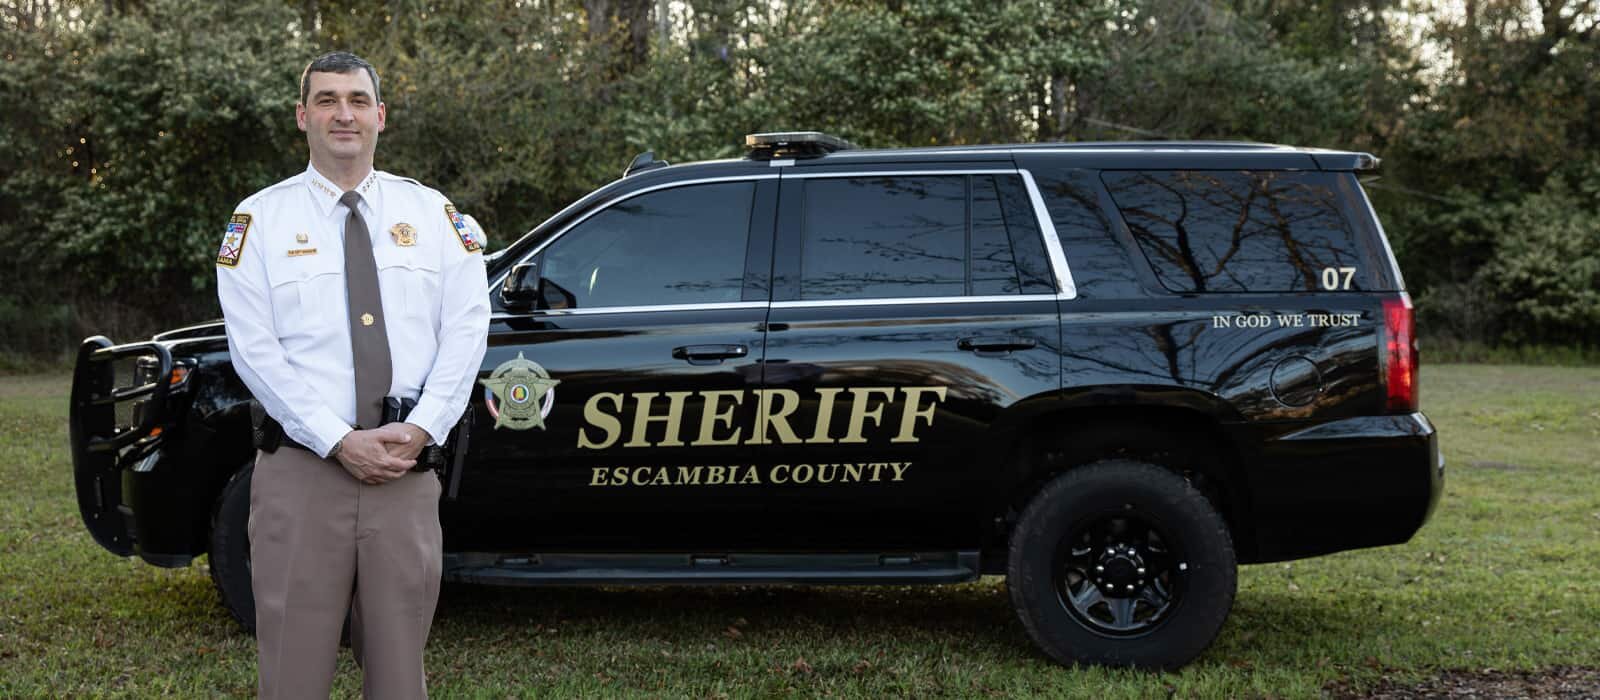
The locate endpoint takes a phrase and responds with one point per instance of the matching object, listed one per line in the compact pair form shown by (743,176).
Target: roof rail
(793,144)
(1153,144)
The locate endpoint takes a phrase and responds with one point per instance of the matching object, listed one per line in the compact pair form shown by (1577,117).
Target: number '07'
(1337,278)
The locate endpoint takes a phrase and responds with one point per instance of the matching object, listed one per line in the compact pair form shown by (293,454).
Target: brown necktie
(369,338)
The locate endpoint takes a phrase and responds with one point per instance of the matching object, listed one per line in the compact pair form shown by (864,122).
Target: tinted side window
(883,237)
(1008,257)
(994,269)
(684,245)
(1270,231)
(888,237)
(1098,260)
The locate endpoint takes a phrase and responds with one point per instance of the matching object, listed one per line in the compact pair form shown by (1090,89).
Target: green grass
(1504,577)
(1444,349)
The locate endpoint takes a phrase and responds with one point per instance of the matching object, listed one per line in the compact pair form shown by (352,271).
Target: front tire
(230,549)
(1121,563)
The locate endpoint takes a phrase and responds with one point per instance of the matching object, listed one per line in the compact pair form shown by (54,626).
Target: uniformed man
(342,287)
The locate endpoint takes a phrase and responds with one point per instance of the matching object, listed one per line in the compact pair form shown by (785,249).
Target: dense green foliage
(130,128)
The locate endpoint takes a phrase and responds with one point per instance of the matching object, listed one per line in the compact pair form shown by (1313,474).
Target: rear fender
(1181,429)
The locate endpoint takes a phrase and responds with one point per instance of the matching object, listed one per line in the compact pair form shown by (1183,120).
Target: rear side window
(1266,231)
(919,236)
(1099,261)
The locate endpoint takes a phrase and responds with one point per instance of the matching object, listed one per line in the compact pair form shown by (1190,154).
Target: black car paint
(1299,480)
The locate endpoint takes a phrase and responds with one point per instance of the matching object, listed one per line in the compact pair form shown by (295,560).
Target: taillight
(1399,354)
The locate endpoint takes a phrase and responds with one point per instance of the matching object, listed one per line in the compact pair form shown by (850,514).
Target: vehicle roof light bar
(793,144)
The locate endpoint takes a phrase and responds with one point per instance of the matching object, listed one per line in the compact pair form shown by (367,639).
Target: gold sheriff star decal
(519,394)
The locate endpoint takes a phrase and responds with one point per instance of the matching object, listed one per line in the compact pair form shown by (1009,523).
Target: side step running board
(613,569)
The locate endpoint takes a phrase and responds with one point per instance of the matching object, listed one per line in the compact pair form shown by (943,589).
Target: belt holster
(396,410)
(265,432)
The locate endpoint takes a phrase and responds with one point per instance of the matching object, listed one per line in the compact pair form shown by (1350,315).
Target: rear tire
(230,549)
(1121,563)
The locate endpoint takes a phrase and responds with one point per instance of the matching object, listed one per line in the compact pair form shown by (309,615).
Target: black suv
(1109,372)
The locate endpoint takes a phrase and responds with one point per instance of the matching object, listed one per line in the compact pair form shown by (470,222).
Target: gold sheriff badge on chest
(403,234)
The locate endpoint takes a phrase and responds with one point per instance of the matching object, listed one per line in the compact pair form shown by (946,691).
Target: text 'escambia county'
(740,474)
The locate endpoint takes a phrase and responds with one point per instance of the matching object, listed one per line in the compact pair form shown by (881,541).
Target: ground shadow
(978,616)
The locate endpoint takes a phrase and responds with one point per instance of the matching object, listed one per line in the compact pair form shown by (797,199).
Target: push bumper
(116,429)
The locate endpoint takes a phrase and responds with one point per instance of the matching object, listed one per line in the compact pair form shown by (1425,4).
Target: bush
(1546,267)
(144,130)
(33,329)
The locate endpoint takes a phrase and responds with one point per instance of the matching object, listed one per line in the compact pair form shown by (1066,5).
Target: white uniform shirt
(280,278)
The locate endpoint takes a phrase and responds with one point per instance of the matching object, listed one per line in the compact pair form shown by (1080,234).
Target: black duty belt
(268,435)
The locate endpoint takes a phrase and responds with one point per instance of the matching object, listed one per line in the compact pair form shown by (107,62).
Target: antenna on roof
(644,161)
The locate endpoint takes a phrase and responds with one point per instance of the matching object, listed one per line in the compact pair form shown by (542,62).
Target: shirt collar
(326,194)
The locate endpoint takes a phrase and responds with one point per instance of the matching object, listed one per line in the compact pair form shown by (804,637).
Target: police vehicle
(1109,372)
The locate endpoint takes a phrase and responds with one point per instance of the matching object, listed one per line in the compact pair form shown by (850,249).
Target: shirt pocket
(308,296)
(410,282)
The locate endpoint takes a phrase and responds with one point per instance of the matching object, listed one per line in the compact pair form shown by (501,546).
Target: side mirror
(521,287)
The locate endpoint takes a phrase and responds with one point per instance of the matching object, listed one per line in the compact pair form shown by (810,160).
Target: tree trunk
(1058,106)
(1082,106)
(663,21)
(1041,106)
(308,18)
(598,13)
(619,54)
(636,13)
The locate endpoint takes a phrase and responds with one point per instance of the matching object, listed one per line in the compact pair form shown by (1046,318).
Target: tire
(1121,563)
(230,549)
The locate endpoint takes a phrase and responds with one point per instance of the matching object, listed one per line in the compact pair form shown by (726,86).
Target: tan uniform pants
(323,543)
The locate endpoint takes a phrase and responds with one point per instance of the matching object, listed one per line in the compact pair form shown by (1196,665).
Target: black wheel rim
(1119,574)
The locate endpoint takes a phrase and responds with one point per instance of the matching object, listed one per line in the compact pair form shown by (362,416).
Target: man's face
(341,118)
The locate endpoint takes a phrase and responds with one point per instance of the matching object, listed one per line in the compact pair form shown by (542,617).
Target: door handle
(995,345)
(709,354)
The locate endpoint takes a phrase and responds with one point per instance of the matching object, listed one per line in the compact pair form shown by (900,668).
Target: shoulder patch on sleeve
(233,241)
(469,240)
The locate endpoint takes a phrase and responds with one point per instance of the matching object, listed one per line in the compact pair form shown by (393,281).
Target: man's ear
(383,115)
(300,115)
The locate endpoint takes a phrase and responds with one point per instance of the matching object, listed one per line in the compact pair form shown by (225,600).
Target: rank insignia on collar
(403,234)
(519,394)
(233,241)
(469,240)
(324,188)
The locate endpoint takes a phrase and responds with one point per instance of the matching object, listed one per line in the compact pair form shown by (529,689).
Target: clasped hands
(382,454)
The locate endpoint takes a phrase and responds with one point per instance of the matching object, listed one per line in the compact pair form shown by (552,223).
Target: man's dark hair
(338,62)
